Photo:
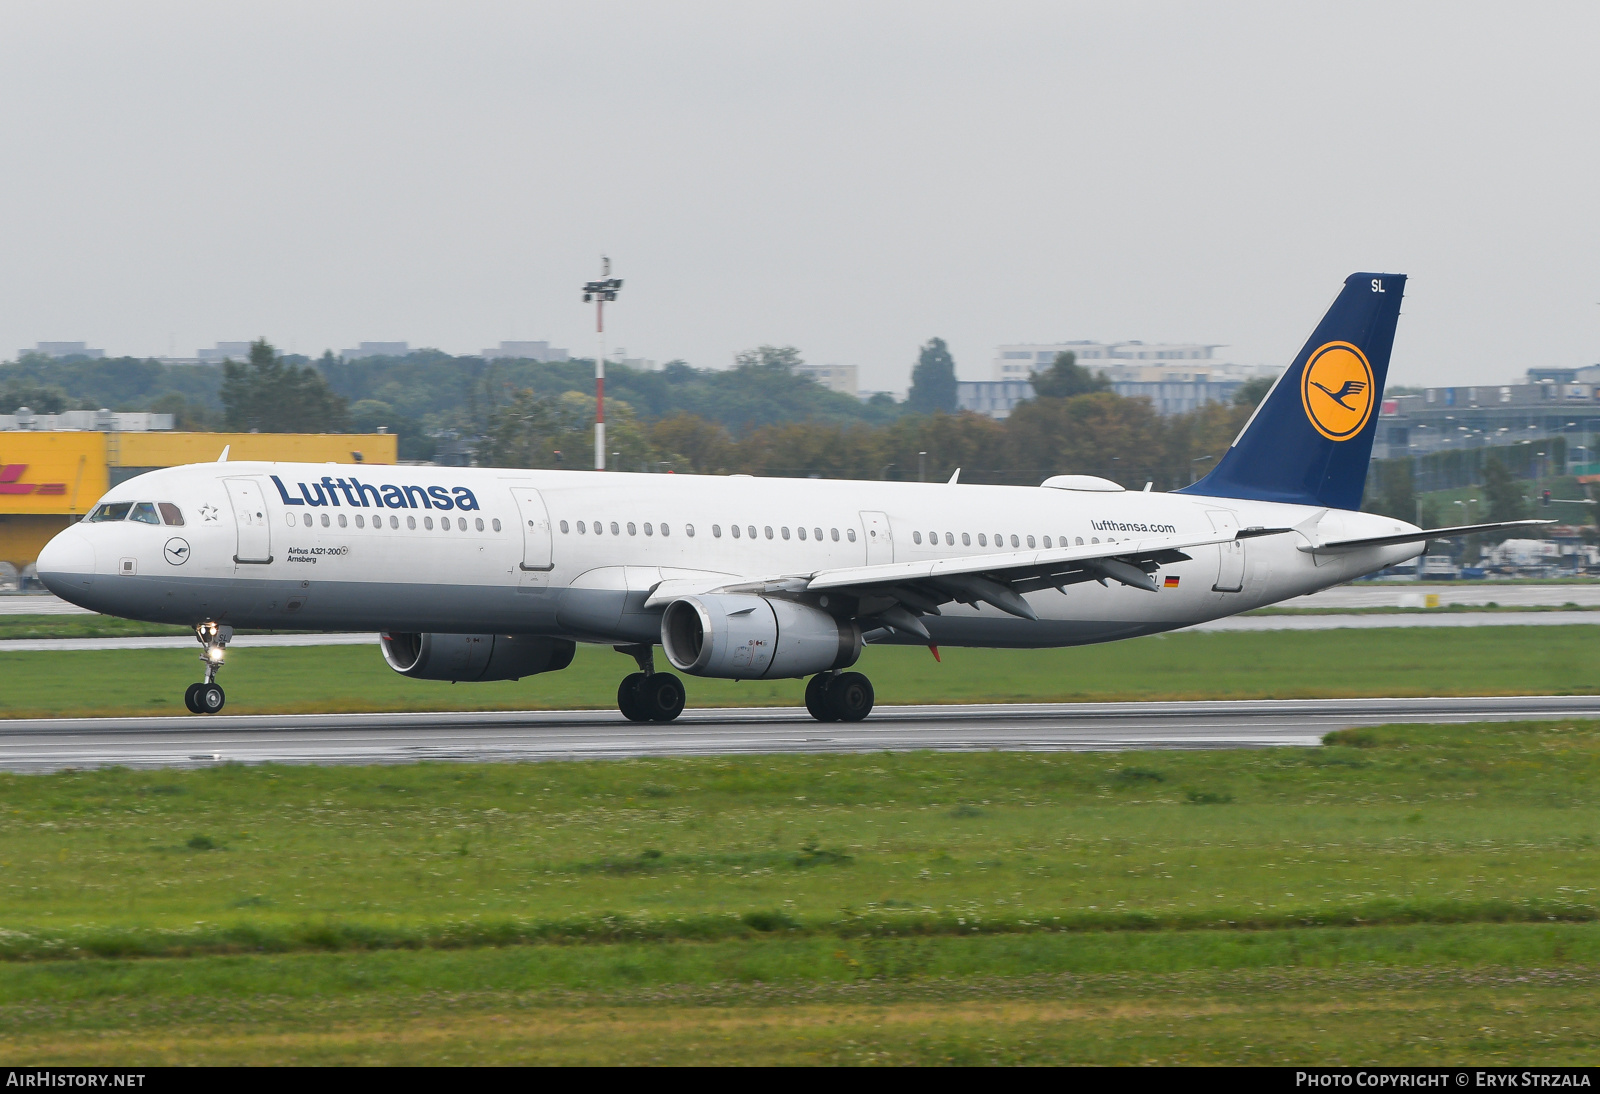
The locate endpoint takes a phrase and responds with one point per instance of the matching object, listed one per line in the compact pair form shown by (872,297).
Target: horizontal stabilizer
(1420,535)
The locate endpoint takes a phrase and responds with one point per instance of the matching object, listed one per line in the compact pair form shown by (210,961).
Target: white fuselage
(576,554)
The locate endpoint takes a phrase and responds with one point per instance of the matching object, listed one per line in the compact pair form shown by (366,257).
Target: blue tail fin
(1310,439)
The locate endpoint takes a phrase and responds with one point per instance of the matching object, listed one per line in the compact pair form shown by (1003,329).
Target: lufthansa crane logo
(1336,390)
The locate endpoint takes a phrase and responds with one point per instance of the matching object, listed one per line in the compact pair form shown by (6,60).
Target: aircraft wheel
(817,698)
(663,696)
(850,696)
(630,698)
(209,698)
(191,698)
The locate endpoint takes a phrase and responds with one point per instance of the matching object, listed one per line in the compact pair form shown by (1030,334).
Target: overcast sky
(849,178)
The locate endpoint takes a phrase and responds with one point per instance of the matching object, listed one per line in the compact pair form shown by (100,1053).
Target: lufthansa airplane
(494,574)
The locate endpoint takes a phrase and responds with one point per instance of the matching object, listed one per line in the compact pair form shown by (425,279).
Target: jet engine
(457,657)
(753,637)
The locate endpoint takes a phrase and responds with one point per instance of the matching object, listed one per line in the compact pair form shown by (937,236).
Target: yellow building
(49,480)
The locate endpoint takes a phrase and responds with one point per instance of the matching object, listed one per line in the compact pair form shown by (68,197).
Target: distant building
(996,398)
(232,351)
(526,351)
(1175,377)
(376,349)
(104,421)
(63,349)
(1552,402)
(840,378)
(619,356)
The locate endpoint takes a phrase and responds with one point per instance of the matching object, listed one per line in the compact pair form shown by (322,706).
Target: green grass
(1274,664)
(1410,894)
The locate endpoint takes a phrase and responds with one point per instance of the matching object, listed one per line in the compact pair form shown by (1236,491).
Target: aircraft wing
(897,594)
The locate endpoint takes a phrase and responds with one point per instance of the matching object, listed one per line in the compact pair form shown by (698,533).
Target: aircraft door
(880,541)
(250,518)
(1230,560)
(536,539)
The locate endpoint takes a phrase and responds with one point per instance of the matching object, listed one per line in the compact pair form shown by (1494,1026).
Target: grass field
(1273,664)
(1414,894)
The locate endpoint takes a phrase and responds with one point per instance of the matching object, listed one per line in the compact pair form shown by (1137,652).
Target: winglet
(224,457)
(954,477)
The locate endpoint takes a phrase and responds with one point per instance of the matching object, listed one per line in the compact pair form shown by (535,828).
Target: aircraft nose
(66,565)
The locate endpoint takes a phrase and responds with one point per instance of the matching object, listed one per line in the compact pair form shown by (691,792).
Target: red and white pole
(600,384)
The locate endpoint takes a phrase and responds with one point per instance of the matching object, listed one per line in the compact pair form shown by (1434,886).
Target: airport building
(48,479)
(1550,403)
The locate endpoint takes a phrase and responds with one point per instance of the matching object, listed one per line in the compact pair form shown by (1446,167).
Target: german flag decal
(1170,583)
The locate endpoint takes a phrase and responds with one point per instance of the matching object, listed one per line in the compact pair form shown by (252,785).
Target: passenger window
(983,540)
(949,539)
(145,513)
(325,520)
(427,522)
(850,534)
(1047,541)
(289,518)
(835,533)
(785,531)
(170,513)
(648,529)
(361,521)
(1094,539)
(411,523)
(306,520)
(665,530)
(497,524)
(563,527)
(632,529)
(818,533)
(751,529)
(114,510)
(344,521)
(966,539)
(479,523)
(461,523)
(735,529)
(1014,542)
(916,537)
(716,531)
(1078,541)
(582,528)
(801,532)
(688,530)
(616,531)
(1030,542)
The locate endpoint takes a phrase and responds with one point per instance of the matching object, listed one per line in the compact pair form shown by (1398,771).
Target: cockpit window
(111,510)
(170,514)
(145,513)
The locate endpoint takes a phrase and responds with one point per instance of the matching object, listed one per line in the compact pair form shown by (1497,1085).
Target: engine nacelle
(473,657)
(741,637)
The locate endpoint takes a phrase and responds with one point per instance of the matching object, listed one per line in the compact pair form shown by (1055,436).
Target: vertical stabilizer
(1311,438)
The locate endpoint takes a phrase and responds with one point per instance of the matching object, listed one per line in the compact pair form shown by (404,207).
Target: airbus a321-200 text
(492,574)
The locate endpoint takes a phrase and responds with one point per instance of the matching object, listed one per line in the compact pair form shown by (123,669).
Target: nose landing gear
(648,695)
(207,697)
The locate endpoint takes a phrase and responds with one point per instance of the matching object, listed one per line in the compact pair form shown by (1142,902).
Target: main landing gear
(648,695)
(839,696)
(207,696)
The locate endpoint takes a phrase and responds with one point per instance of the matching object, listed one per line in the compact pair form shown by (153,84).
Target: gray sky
(849,178)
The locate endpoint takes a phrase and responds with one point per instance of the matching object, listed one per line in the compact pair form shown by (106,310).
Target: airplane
(474,574)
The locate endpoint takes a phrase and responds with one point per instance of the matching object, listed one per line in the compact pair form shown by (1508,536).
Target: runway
(198,741)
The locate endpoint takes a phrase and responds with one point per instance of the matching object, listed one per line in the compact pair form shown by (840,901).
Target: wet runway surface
(200,741)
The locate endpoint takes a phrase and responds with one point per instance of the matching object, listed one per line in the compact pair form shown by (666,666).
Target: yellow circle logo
(1336,390)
